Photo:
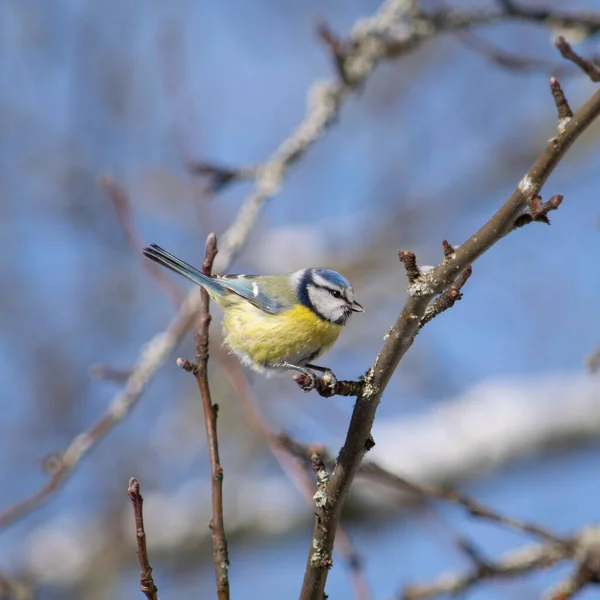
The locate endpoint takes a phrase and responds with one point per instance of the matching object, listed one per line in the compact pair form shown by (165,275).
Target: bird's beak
(356,307)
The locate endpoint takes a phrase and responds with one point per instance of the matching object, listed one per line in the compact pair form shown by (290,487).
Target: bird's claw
(328,382)
(307,380)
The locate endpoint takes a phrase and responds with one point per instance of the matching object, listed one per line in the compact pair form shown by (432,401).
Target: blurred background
(494,397)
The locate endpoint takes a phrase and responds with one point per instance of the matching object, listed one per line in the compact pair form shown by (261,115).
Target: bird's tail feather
(166,259)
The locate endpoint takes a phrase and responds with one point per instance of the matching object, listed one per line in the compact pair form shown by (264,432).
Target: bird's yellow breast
(296,335)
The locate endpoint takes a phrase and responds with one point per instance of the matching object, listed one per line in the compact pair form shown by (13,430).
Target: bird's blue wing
(248,287)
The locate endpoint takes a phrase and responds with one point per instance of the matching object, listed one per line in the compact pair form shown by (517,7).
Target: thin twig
(108,373)
(342,387)
(147,584)
(587,66)
(562,105)
(431,283)
(375,472)
(219,177)
(450,20)
(537,211)
(327,385)
(512,61)
(200,371)
(448,298)
(409,260)
(337,49)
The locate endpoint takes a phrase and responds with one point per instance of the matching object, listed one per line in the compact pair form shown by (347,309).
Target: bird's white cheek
(325,304)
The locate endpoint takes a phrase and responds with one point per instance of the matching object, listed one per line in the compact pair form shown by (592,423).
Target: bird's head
(327,293)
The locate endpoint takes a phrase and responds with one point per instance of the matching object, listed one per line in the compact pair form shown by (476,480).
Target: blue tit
(275,321)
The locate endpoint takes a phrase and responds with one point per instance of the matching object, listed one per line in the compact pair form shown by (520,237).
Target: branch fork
(538,211)
(339,51)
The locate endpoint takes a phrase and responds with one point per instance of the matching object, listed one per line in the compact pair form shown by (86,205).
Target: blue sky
(432,145)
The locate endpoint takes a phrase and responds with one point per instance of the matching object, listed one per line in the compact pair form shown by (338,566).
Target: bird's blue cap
(333,276)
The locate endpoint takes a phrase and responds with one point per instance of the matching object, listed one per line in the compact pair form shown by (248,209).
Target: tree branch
(218,177)
(584,549)
(61,465)
(512,61)
(122,206)
(448,20)
(451,295)
(587,66)
(375,472)
(200,371)
(147,585)
(587,569)
(515,562)
(431,283)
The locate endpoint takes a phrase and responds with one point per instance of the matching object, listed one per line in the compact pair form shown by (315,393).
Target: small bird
(275,321)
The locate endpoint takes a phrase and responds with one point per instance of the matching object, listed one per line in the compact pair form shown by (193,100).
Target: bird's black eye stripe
(335,293)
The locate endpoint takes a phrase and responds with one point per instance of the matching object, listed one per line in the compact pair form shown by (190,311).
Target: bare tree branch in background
(200,372)
(108,373)
(526,559)
(586,23)
(513,61)
(422,291)
(122,206)
(374,472)
(218,177)
(587,571)
(512,563)
(519,561)
(147,585)
(153,355)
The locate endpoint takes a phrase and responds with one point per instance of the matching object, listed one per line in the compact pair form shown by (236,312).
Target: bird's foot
(307,380)
(326,384)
